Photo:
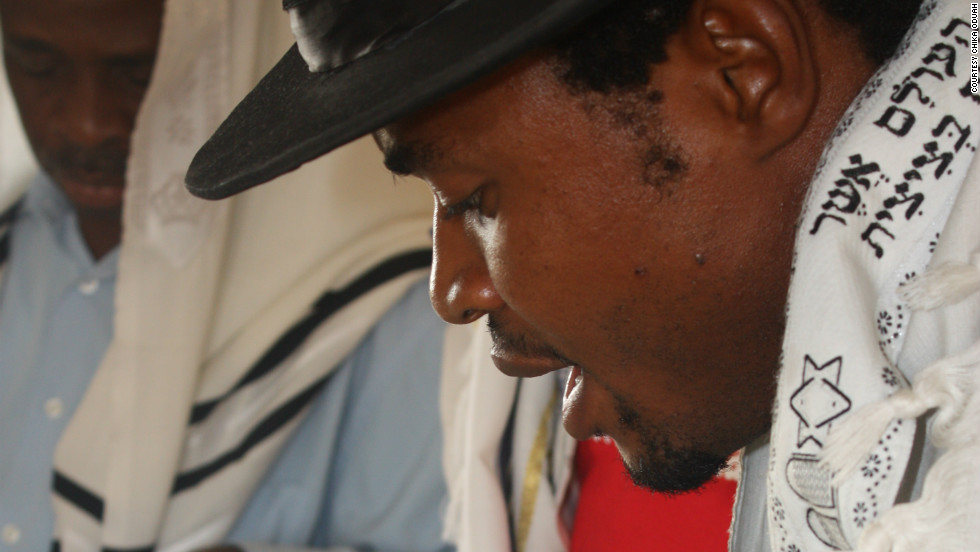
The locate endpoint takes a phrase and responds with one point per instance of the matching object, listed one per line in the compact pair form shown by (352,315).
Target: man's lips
(93,191)
(92,180)
(522,366)
(519,355)
(577,416)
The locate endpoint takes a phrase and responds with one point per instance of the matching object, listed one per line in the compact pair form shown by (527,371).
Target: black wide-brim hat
(374,62)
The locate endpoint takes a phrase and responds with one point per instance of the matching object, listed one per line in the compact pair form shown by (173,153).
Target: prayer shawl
(229,316)
(16,163)
(515,506)
(889,231)
(509,462)
(7,215)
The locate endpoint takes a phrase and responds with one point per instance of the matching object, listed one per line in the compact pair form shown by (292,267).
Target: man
(159,395)
(517,481)
(625,198)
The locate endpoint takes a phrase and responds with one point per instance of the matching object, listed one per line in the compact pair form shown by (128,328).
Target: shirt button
(53,408)
(11,533)
(89,287)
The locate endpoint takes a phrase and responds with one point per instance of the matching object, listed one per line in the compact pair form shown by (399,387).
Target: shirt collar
(45,202)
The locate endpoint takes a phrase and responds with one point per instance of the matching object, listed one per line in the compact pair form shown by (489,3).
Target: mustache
(109,157)
(519,343)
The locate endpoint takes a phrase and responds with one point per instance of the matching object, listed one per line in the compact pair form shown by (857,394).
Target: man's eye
(138,72)
(35,65)
(470,203)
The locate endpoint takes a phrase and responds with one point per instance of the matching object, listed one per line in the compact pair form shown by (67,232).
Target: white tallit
(205,289)
(893,202)
(17,165)
(478,404)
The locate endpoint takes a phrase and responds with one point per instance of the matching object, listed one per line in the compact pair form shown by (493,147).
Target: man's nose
(95,113)
(460,285)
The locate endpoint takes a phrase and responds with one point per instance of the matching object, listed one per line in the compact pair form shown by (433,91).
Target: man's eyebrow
(410,158)
(27,44)
(37,46)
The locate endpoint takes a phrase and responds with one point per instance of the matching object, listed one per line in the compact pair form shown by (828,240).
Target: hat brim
(294,115)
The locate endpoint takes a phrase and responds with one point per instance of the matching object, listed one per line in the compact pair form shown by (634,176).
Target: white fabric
(205,288)
(946,513)
(477,400)
(475,405)
(540,465)
(17,164)
(877,209)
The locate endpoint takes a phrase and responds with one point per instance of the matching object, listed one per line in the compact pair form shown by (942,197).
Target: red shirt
(615,515)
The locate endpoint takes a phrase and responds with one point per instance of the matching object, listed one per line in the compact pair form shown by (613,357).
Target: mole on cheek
(640,271)
(699,258)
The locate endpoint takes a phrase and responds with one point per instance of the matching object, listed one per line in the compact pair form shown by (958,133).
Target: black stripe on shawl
(83,499)
(265,428)
(56,547)
(7,216)
(4,246)
(506,453)
(6,220)
(93,505)
(325,306)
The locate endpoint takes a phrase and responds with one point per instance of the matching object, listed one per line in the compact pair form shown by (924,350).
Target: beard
(661,466)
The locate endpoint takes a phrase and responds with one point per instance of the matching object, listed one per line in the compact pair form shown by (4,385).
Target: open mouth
(575,409)
(574,380)
(517,355)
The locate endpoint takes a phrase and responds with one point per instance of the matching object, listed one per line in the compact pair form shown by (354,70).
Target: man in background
(174,374)
(740,224)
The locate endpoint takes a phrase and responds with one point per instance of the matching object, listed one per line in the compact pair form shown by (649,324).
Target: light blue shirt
(364,468)
(56,307)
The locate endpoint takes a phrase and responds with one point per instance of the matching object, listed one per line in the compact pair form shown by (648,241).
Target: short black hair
(615,48)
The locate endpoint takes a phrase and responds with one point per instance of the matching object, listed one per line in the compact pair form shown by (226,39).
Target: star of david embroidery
(818,401)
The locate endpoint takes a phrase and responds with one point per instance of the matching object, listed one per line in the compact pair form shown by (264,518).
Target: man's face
(78,70)
(646,252)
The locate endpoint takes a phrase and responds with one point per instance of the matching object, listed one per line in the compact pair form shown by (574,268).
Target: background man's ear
(759,66)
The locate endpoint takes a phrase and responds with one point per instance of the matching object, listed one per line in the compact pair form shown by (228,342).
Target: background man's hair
(615,49)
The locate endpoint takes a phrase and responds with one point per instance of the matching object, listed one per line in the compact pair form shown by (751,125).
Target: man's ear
(757,65)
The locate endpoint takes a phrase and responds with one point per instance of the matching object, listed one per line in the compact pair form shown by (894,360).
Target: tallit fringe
(945,386)
(944,518)
(945,285)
